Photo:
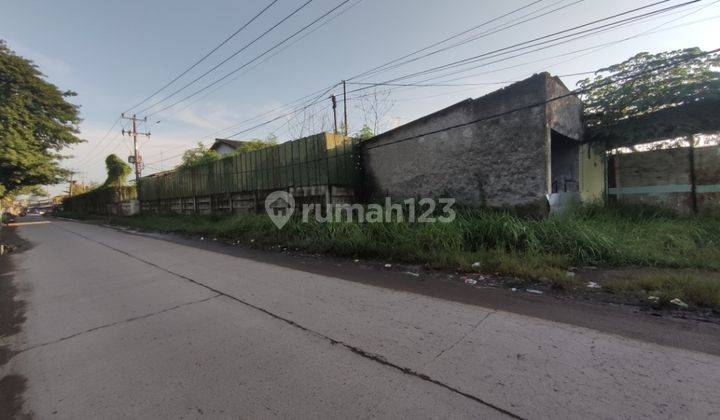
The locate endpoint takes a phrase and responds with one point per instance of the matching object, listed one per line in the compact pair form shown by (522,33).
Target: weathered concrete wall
(707,178)
(664,177)
(500,161)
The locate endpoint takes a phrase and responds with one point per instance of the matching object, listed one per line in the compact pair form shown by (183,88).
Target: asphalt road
(124,325)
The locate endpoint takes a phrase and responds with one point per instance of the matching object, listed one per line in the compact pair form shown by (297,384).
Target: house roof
(230,143)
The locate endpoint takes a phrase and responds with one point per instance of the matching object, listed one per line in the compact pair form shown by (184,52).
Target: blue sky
(113,54)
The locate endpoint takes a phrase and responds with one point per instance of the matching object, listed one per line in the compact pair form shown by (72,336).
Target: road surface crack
(460,340)
(112,324)
(357,350)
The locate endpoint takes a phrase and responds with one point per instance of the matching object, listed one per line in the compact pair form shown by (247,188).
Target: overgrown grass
(500,241)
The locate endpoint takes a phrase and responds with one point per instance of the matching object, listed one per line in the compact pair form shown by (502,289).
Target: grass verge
(501,242)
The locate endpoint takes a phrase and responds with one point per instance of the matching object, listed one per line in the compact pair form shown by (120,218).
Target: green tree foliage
(256,144)
(648,82)
(198,156)
(365,133)
(117,171)
(36,123)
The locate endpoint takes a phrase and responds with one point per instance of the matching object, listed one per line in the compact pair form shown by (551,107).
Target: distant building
(224,146)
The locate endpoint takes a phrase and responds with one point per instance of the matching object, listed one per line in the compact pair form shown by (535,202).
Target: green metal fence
(321,159)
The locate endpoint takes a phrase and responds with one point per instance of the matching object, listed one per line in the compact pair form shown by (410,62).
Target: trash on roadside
(388,265)
(570,274)
(679,303)
(357,261)
(537,292)
(202,238)
(514,289)
(252,240)
(654,299)
(593,285)
(469,281)
(412,274)
(476,264)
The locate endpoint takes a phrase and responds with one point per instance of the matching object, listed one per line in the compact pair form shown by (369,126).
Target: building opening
(563,163)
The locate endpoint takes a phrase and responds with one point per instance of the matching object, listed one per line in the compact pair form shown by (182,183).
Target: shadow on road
(12,316)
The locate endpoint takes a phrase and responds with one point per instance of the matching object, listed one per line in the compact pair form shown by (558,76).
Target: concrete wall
(501,161)
(664,177)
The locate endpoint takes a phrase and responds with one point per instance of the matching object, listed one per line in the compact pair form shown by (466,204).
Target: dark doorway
(564,162)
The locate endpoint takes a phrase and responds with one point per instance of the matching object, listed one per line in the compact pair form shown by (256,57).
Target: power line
(487,22)
(318,99)
(254,59)
(96,145)
(591,49)
(570,93)
(233,55)
(603,27)
(315,94)
(613,25)
(508,25)
(547,38)
(261,62)
(432,85)
(423,49)
(445,40)
(208,54)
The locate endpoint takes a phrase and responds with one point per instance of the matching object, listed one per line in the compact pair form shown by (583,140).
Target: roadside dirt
(12,316)
(610,314)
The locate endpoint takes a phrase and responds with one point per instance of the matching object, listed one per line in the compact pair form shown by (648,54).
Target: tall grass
(501,241)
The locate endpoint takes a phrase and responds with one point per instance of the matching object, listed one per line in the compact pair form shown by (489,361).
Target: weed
(504,243)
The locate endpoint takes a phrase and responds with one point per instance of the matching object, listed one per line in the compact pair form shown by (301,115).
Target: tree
(308,121)
(365,133)
(36,123)
(647,83)
(256,144)
(117,172)
(374,107)
(198,156)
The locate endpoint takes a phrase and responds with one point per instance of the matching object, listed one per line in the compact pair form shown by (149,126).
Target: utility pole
(334,106)
(345,107)
(135,159)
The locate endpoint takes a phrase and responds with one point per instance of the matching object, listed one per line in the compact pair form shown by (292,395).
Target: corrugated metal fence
(323,159)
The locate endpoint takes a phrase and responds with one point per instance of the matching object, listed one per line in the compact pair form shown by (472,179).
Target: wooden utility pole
(345,107)
(334,106)
(135,159)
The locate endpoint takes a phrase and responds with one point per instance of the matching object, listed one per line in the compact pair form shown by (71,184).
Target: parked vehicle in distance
(7,218)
